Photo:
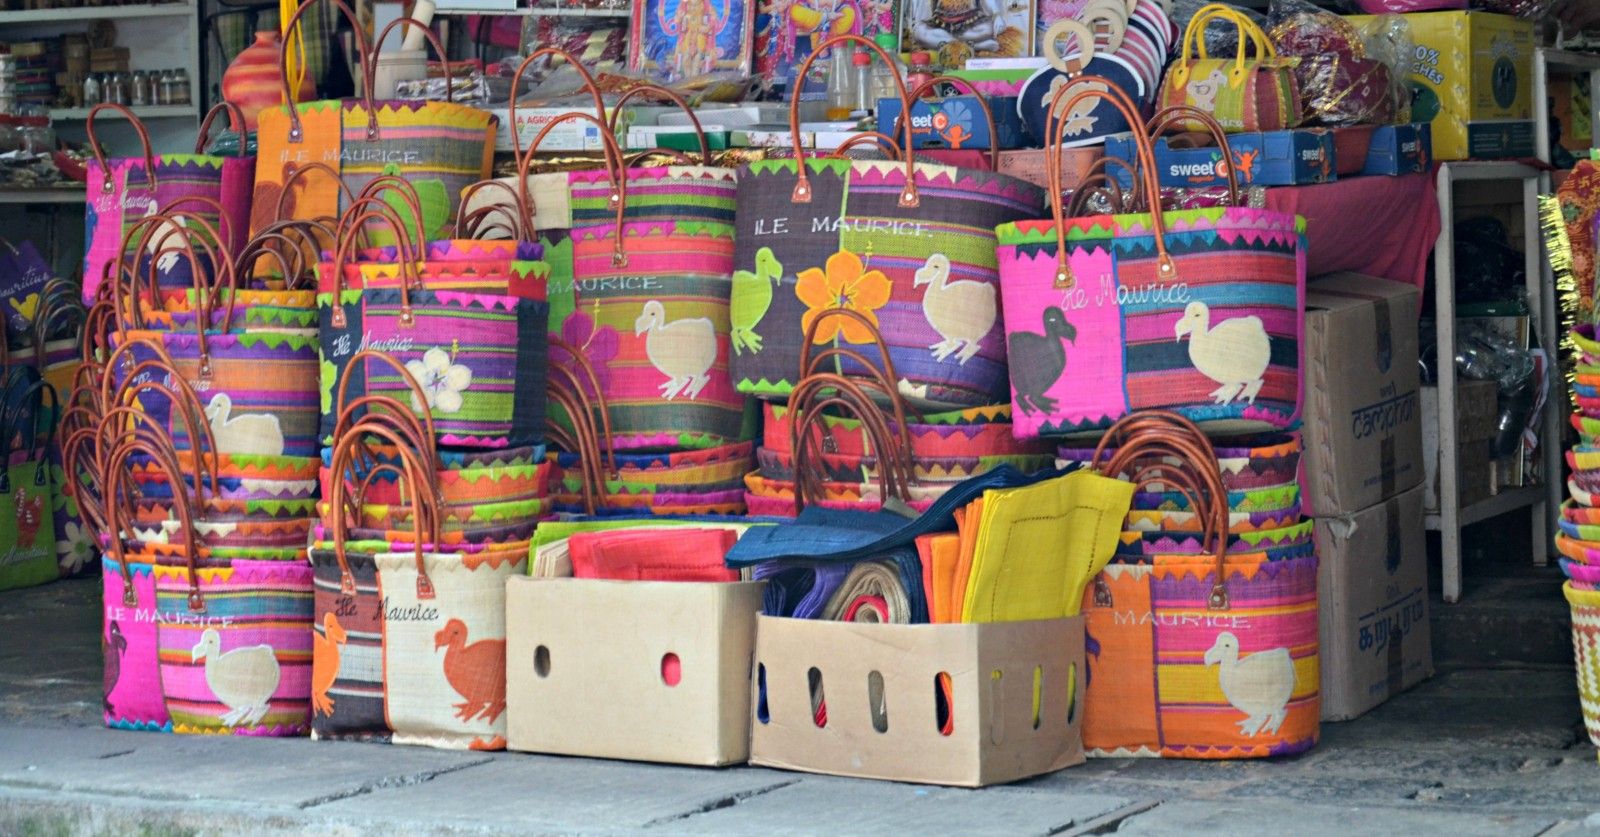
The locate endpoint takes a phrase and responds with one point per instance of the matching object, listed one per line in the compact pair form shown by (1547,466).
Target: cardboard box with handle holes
(638,670)
(1014,699)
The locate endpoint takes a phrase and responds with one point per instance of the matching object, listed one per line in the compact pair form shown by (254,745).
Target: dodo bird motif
(116,645)
(1234,353)
(962,312)
(246,433)
(752,296)
(1038,361)
(1259,685)
(242,679)
(325,650)
(683,350)
(477,671)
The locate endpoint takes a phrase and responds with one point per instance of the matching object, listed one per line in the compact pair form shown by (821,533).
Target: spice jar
(163,88)
(115,89)
(139,90)
(180,87)
(91,90)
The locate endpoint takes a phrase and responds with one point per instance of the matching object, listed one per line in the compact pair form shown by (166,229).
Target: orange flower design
(843,283)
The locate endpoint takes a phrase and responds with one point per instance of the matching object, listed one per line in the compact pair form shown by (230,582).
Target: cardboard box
(677,138)
(1363,422)
(1477,418)
(1473,79)
(571,135)
(587,672)
(956,122)
(1275,158)
(1028,164)
(879,683)
(1400,149)
(1372,593)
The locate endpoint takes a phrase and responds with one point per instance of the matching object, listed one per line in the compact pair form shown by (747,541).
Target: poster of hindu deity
(787,31)
(673,40)
(955,30)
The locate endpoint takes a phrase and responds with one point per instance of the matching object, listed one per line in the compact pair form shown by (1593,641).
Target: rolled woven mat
(870,580)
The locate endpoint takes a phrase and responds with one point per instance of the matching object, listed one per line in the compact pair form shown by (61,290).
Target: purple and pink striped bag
(1198,311)
(133,698)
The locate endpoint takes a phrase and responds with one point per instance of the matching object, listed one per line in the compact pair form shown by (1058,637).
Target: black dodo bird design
(1037,360)
(115,645)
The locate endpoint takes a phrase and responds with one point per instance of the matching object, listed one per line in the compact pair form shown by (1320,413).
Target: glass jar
(164,88)
(116,89)
(180,87)
(139,90)
(91,91)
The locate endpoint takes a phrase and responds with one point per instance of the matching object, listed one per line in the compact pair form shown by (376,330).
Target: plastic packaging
(861,65)
(1400,7)
(1340,84)
(1388,39)
(883,75)
(841,83)
(1222,37)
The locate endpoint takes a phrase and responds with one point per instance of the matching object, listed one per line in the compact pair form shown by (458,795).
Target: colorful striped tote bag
(1198,311)
(641,272)
(1209,656)
(111,203)
(908,245)
(27,538)
(441,147)
(479,357)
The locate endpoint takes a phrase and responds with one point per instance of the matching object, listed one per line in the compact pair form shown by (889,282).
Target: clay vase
(254,81)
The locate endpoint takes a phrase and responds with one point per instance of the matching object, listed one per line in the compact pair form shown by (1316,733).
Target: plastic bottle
(921,70)
(861,66)
(883,75)
(841,83)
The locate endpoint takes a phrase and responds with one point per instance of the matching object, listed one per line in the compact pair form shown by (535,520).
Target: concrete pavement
(1496,749)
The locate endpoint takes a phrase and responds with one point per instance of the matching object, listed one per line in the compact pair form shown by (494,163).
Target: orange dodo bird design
(325,663)
(477,672)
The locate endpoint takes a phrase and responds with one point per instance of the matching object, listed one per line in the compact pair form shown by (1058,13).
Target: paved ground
(1496,749)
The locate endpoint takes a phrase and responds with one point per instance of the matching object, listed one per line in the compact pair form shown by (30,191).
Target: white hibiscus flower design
(74,549)
(442,381)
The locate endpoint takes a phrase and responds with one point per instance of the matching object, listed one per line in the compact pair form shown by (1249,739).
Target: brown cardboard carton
(879,682)
(1372,591)
(586,668)
(1363,422)
(1477,419)
(1028,164)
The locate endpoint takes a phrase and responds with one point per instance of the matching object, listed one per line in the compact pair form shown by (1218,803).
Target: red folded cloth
(653,555)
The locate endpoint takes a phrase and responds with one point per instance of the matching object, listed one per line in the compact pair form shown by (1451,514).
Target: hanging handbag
(112,200)
(27,524)
(441,147)
(1197,311)
(908,245)
(1242,93)
(1198,656)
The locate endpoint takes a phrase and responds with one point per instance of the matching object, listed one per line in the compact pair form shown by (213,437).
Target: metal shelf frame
(96,13)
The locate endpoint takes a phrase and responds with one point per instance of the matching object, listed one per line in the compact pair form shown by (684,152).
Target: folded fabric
(552,557)
(1038,547)
(653,555)
(821,534)
(871,580)
(799,590)
(939,553)
(867,609)
(967,522)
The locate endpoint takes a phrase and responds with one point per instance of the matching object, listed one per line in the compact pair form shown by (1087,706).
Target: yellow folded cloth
(1036,548)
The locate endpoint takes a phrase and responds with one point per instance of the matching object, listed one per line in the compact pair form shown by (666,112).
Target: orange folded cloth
(653,555)
(939,552)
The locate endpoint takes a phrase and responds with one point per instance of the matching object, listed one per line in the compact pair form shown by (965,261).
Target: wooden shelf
(141,111)
(540,12)
(46,195)
(97,13)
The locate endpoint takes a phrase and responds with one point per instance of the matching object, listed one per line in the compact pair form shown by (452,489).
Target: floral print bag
(908,245)
(478,356)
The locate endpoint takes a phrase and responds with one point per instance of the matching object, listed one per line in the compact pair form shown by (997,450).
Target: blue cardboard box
(955,122)
(1275,158)
(1400,149)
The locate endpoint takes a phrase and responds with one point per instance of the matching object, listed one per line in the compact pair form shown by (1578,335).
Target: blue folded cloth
(802,589)
(822,534)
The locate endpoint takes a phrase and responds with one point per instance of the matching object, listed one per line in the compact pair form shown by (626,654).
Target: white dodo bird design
(249,434)
(243,679)
(1234,353)
(963,312)
(683,350)
(1259,686)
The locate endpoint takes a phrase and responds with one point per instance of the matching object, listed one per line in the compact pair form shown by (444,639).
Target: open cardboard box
(1016,704)
(591,665)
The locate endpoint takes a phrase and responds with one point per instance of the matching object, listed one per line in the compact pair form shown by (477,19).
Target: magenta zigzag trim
(950,177)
